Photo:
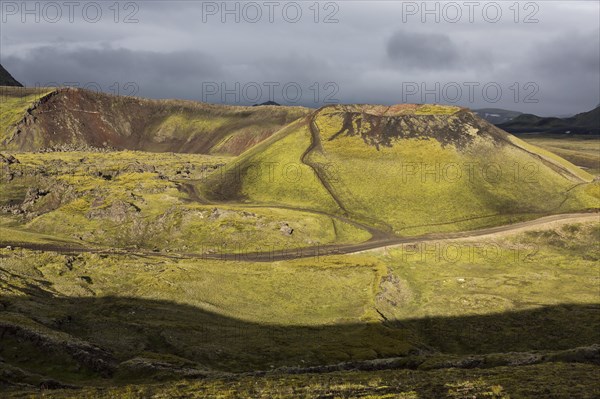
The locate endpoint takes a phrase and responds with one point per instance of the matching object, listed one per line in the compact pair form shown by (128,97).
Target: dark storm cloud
(562,56)
(422,50)
(566,69)
(369,54)
(170,74)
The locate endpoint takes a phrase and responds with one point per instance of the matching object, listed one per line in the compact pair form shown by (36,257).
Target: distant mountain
(583,123)
(496,115)
(266,103)
(6,78)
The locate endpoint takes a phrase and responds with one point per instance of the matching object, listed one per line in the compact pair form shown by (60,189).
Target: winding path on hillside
(315,144)
(317,251)
(332,190)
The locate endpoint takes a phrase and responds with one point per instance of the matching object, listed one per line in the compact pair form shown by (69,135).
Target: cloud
(171,74)
(566,68)
(563,56)
(431,51)
(369,54)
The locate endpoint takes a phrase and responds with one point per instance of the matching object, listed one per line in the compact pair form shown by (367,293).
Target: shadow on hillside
(120,329)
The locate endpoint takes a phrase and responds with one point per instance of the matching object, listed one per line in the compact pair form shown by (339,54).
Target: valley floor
(121,278)
(495,317)
(583,151)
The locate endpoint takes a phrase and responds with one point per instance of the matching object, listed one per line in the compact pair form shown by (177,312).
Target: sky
(539,57)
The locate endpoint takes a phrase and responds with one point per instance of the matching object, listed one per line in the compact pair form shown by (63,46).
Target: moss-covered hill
(408,169)
(35,119)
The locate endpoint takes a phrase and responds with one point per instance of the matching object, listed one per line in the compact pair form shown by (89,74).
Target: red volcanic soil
(77,118)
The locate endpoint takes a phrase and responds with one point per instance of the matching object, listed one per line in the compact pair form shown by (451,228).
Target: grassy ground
(556,381)
(139,201)
(475,276)
(107,319)
(583,151)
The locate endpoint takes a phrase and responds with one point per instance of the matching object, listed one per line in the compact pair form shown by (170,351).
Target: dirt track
(375,243)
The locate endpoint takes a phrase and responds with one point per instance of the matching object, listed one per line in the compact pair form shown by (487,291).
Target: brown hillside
(76,118)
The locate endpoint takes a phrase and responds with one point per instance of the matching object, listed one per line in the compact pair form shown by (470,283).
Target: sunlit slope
(14,103)
(81,119)
(411,169)
(274,173)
